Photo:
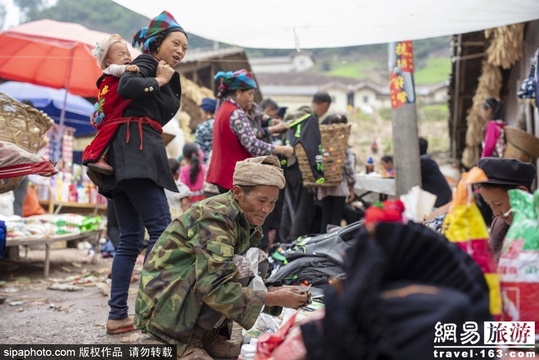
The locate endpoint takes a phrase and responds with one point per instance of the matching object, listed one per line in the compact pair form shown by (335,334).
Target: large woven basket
(21,124)
(520,145)
(334,145)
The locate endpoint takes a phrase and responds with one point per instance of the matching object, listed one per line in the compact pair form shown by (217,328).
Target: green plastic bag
(519,261)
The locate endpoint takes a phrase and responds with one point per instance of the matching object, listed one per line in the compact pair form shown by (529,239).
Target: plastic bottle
(370,166)
(248,351)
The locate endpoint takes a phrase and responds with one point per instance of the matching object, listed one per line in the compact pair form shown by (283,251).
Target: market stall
(48,240)
(64,187)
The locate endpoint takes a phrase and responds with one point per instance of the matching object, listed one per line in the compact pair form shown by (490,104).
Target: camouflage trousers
(210,319)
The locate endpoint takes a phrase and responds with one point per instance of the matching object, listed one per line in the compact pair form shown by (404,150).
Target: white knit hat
(101,50)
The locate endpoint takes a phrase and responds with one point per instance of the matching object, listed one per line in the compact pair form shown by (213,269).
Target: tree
(29,8)
(3,14)
(101,15)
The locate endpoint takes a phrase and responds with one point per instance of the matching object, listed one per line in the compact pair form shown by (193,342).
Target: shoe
(96,178)
(195,351)
(219,347)
(120,326)
(101,167)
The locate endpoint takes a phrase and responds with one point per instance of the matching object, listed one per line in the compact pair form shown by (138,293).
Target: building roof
(379,89)
(300,79)
(208,54)
(272,90)
(336,84)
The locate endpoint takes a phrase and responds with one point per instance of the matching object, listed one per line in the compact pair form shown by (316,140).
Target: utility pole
(404,117)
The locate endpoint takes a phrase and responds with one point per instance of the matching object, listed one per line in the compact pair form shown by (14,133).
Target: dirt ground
(34,314)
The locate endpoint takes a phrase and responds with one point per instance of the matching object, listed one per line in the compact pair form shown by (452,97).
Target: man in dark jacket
(299,204)
(432,179)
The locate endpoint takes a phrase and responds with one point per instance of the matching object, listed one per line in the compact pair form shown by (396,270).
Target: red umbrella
(54,54)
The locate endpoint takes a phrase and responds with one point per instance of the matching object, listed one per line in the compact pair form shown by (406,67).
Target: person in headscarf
(503,175)
(195,281)
(233,137)
(204,131)
(494,139)
(137,154)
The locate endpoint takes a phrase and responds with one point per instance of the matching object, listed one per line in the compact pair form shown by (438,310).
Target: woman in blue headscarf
(233,137)
(137,154)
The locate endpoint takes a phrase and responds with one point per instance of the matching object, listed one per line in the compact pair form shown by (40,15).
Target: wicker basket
(21,124)
(520,145)
(334,145)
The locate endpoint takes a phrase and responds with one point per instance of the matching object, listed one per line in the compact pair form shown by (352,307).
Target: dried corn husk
(489,85)
(192,96)
(505,47)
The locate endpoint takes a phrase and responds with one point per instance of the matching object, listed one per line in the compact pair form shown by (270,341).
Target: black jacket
(159,104)
(305,130)
(433,181)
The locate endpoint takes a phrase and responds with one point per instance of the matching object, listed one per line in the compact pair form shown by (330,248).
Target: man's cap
(260,170)
(282,111)
(208,104)
(511,172)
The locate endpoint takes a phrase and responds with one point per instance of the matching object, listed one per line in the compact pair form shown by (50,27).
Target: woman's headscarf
(161,23)
(241,79)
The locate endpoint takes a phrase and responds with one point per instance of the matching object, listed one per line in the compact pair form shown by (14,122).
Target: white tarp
(303,24)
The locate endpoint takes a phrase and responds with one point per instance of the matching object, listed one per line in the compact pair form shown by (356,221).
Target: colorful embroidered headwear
(241,79)
(146,35)
(102,49)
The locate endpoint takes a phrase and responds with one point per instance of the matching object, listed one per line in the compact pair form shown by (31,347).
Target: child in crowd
(113,57)
(494,138)
(204,131)
(178,202)
(387,163)
(193,172)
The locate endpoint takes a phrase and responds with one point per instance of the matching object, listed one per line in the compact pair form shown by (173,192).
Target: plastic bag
(518,266)
(464,225)
(268,342)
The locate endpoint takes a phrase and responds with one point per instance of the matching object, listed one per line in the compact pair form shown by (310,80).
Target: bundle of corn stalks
(192,96)
(490,83)
(505,45)
(504,51)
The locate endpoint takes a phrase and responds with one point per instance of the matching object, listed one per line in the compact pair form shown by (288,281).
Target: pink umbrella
(54,54)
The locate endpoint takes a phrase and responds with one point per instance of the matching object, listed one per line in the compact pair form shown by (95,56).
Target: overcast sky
(12,14)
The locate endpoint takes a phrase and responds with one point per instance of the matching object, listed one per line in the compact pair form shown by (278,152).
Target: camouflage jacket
(191,264)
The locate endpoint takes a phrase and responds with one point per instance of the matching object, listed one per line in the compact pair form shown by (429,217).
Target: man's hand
(289,297)
(279,128)
(285,150)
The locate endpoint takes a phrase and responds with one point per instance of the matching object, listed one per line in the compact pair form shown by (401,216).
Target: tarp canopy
(303,24)
(51,101)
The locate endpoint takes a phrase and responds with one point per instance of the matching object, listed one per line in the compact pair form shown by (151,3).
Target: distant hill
(370,62)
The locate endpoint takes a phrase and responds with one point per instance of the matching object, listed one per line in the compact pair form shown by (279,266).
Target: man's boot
(219,347)
(194,351)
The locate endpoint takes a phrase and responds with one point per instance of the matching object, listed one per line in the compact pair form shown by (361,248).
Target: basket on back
(21,124)
(334,145)
(520,145)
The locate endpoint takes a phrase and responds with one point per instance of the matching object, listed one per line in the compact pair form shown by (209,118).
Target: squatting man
(196,279)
